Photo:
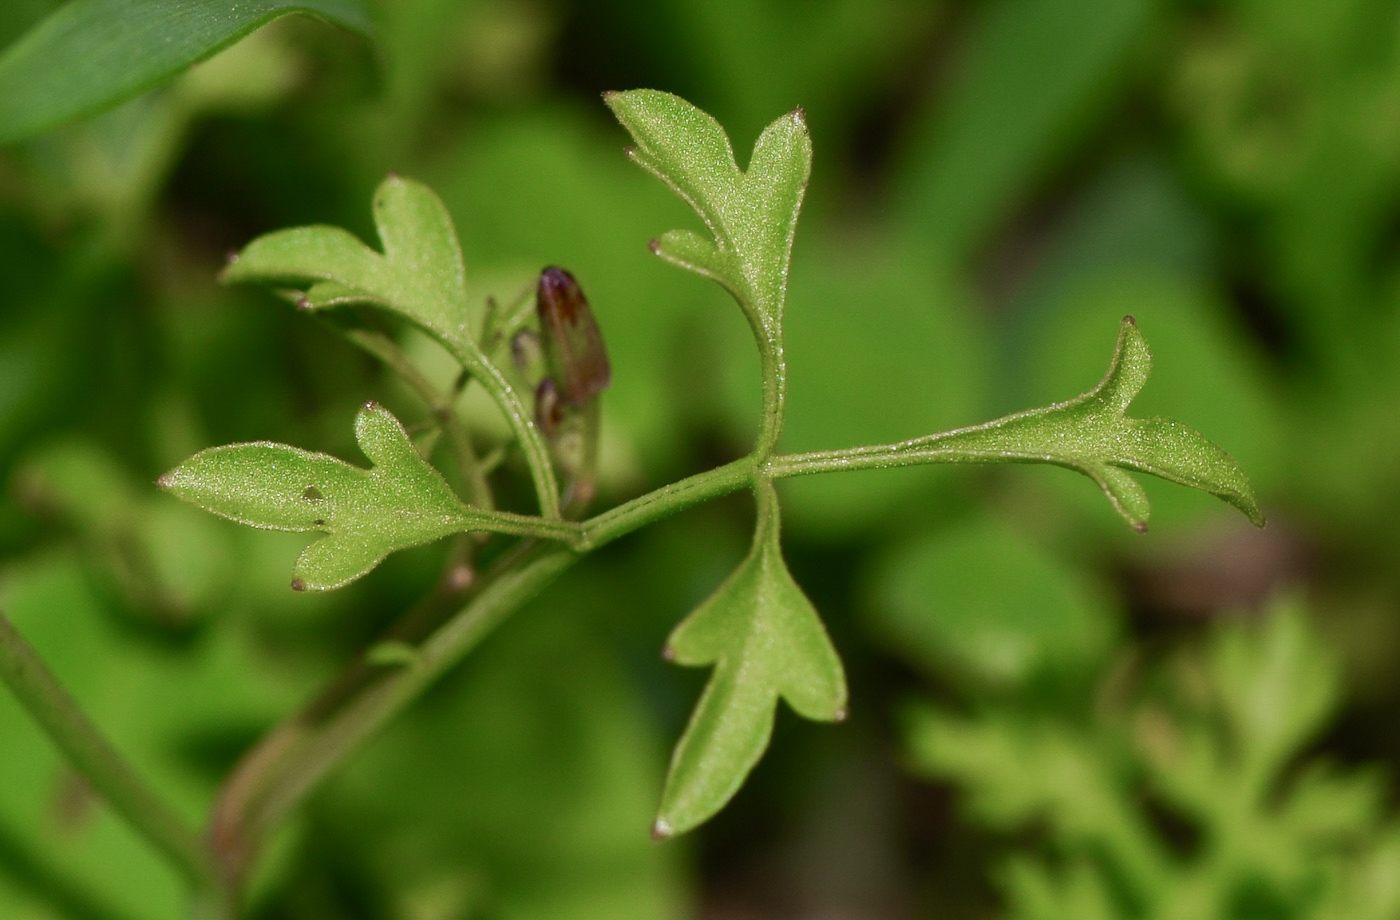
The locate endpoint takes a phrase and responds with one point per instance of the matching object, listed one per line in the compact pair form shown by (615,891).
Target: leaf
(90,55)
(751,214)
(399,502)
(1035,76)
(983,604)
(1093,434)
(420,274)
(766,641)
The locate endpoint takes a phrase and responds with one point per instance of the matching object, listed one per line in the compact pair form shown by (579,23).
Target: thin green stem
(98,762)
(665,501)
(944,447)
(522,424)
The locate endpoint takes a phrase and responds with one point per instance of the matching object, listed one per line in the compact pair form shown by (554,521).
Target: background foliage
(1051,716)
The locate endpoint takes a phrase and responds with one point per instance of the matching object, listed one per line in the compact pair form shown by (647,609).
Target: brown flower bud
(573,346)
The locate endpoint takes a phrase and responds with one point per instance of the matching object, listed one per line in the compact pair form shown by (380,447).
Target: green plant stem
(974,444)
(290,762)
(98,762)
(440,404)
(521,421)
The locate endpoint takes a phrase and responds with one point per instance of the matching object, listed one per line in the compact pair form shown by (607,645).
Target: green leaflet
(766,641)
(399,502)
(92,54)
(419,276)
(1091,433)
(752,214)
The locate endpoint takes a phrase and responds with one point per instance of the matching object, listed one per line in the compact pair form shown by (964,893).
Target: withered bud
(548,412)
(573,346)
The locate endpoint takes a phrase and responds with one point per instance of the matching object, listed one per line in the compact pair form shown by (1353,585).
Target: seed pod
(573,346)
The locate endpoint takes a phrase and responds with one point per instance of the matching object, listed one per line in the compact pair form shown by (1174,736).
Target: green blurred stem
(440,404)
(99,763)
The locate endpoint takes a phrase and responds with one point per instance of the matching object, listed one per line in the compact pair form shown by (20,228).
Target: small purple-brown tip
(654,246)
(1130,319)
(303,303)
(668,654)
(661,830)
(298,584)
(630,151)
(1140,526)
(371,405)
(799,115)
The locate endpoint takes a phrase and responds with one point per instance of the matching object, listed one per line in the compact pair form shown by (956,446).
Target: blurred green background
(1052,717)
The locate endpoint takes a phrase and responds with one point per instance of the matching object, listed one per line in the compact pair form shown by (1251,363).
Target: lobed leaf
(752,214)
(399,502)
(1093,434)
(766,641)
(420,274)
(90,55)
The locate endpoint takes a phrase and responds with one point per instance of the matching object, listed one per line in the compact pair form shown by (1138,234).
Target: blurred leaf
(91,54)
(399,502)
(170,562)
(533,775)
(986,603)
(1077,893)
(876,351)
(751,214)
(1276,686)
(1035,73)
(766,641)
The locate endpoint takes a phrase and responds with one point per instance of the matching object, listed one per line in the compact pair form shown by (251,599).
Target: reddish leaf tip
(303,303)
(298,584)
(661,830)
(371,405)
(1140,526)
(654,246)
(630,151)
(1130,319)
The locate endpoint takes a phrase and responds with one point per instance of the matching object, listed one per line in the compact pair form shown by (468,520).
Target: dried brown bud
(573,346)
